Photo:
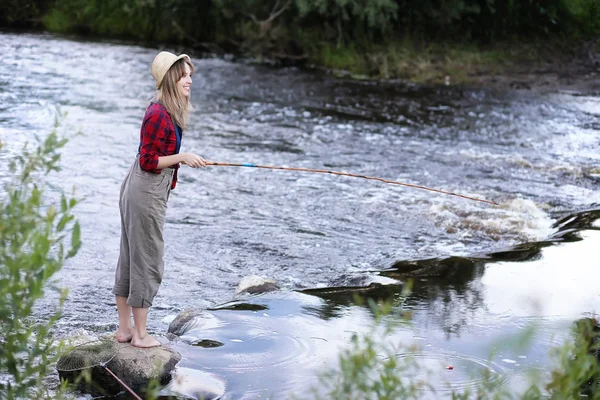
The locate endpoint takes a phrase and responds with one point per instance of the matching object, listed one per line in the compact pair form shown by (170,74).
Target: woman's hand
(193,160)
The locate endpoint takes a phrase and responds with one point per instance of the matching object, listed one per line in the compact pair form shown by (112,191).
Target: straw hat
(162,62)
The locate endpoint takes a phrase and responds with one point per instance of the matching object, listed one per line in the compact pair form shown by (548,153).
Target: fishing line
(324,171)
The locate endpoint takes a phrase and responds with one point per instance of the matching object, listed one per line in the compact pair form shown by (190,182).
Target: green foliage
(261,9)
(350,18)
(490,20)
(370,369)
(109,17)
(146,20)
(366,38)
(337,21)
(32,250)
(368,372)
(22,13)
(583,17)
(373,368)
(579,364)
(340,58)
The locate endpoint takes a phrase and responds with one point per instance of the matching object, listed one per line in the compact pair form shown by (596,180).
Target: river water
(537,154)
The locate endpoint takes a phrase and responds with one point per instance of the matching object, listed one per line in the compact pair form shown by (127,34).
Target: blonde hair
(167,94)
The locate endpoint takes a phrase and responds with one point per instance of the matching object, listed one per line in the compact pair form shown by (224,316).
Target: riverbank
(520,44)
(567,66)
(540,65)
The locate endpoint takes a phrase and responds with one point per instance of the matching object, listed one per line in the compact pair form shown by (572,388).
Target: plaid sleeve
(154,137)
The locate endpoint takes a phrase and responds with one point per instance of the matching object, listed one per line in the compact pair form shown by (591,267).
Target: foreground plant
(32,249)
(578,369)
(372,368)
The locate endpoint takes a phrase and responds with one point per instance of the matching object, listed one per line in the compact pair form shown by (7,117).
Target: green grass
(437,63)
(57,21)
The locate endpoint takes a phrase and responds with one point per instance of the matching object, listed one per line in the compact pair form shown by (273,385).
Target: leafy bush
(23,13)
(168,20)
(351,18)
(372,369)
(336,21)
(32,250)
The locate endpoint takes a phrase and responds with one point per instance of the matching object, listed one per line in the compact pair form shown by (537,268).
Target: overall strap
(178,133)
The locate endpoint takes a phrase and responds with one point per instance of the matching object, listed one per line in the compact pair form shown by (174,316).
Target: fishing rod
(324,171)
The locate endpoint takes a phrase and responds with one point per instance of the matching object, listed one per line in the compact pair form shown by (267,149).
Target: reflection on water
(478,273)
(464,319)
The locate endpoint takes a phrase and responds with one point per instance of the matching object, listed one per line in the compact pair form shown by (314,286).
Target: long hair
(176,104)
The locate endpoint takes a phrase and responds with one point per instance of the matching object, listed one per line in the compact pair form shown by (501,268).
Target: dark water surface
(481,273)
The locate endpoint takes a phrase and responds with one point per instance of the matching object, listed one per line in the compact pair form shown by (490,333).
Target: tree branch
(275,14)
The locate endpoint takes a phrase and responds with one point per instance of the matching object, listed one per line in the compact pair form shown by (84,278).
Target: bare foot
(124,336)
(145,342)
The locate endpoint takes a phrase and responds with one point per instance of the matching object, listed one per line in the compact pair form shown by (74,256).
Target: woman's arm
(190,159)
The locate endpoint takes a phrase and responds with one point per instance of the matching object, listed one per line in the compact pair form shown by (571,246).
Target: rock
(192,319)
(254,284)
(134,366)
(194,384)
(184,321)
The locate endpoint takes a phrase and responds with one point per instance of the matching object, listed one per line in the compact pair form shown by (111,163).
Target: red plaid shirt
(157,139)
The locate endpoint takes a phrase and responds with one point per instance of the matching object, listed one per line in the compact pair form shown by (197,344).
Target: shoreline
(554,67)
(570,69)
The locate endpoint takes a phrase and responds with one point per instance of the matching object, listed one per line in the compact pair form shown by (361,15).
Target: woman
(144,195)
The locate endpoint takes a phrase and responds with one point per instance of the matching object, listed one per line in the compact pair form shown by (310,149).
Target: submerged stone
(191,319)
(254,284)
(182,322)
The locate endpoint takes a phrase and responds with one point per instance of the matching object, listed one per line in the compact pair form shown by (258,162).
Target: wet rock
(520,85)
(182,323)
(194,384)
(254,284)
(134,366)
(193,319)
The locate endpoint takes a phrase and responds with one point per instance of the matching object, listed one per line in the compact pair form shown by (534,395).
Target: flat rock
(134,366)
